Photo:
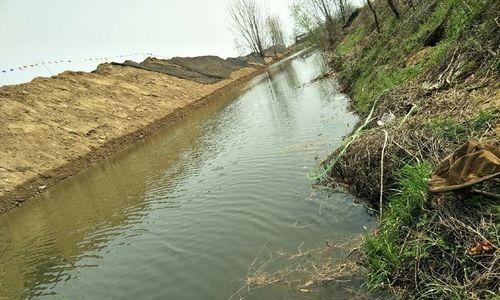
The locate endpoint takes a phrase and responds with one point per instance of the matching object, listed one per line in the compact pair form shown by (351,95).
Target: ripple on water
(183,214)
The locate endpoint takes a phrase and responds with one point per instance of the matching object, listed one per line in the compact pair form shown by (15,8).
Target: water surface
(182,214)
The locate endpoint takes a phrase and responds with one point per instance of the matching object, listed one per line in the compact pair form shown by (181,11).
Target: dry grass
(308,271)
(427,258)
(442,95)
(414,138)
(446,268)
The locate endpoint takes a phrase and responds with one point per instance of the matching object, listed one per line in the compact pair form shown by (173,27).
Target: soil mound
(212,66)
(202,69)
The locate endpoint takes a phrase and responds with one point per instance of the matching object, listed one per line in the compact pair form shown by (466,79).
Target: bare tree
(320,14)
(324,7)
(237,45)
(307,21)
(275,31)
(304,19)
(342,8)
(374,15)
(248,21)
(394,9)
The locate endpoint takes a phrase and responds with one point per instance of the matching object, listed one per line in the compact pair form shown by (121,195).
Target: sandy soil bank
(51,128)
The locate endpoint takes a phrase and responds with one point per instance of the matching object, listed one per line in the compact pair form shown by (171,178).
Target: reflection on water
(182,214)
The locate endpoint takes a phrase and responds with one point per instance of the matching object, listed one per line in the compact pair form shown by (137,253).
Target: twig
(486,194)
(382,170)
(256,258)
(407,151)
(408,114)
(486,131)
(467,5)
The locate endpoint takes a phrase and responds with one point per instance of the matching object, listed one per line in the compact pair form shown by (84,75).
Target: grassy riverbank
(437,70)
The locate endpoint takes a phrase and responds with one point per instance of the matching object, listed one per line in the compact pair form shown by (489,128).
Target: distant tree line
(324,20)
(321,20)
(255,29)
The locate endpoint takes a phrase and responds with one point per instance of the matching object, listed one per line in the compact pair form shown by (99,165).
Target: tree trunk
(328,21)
(374,15)
(394,9)
(342,10)
(329,30)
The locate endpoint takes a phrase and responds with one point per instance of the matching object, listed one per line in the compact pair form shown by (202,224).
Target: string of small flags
(53,62)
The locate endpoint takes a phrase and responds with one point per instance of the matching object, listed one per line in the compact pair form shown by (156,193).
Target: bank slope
(436,69)
(51,128)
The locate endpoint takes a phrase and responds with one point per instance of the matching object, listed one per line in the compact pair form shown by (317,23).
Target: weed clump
(425,247)
(437,71)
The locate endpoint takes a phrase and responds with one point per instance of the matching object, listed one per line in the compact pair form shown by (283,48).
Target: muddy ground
(51,128)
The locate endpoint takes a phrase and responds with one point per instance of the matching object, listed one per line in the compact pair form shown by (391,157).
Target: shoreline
(35,186)
(420,107)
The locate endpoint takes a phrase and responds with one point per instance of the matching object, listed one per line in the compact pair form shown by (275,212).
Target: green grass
(484,119)
(350,42)
(448,129)
(412,234)
(385,250)
(381,65)
(403,237)
(369,85)
(453,130)
(392,248)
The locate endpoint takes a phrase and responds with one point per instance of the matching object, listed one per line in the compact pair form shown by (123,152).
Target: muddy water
(183,214)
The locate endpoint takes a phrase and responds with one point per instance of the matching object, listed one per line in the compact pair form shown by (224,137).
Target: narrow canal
(183,214)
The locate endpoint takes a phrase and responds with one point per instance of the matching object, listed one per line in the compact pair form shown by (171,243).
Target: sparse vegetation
(381,65)
(436,68)
(459,131)
(425,246)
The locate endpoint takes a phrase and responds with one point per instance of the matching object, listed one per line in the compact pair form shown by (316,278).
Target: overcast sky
(34,31)
(48,30)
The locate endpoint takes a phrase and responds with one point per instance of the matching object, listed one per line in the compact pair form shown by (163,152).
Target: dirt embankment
(51,128)
(202,69)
